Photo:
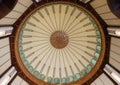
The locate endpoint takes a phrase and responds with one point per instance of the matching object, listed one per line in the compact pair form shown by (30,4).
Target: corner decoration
(59,43)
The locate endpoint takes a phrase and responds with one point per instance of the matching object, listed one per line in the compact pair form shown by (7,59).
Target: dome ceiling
(59,43)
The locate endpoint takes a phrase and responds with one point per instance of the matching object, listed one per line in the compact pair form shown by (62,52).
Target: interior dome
(60,43)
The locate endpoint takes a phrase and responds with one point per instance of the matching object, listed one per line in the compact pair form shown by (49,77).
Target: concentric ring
(60,43)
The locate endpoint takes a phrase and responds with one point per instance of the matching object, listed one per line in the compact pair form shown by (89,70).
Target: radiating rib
(59,27)
(40,28)
(75,47)
(77,24)
(69,19)
(53,8)
(77,57)
(45,21)
(31,30)
(67,8)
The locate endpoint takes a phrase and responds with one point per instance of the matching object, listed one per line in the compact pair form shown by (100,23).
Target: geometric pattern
(59,43)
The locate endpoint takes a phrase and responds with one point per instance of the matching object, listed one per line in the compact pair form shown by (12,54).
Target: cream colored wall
(5,61)
(18,10)
(104,11)
(19,81)
(115,53)
(102,80)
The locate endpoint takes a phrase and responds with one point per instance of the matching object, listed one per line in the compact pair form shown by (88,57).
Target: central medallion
(59,39)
